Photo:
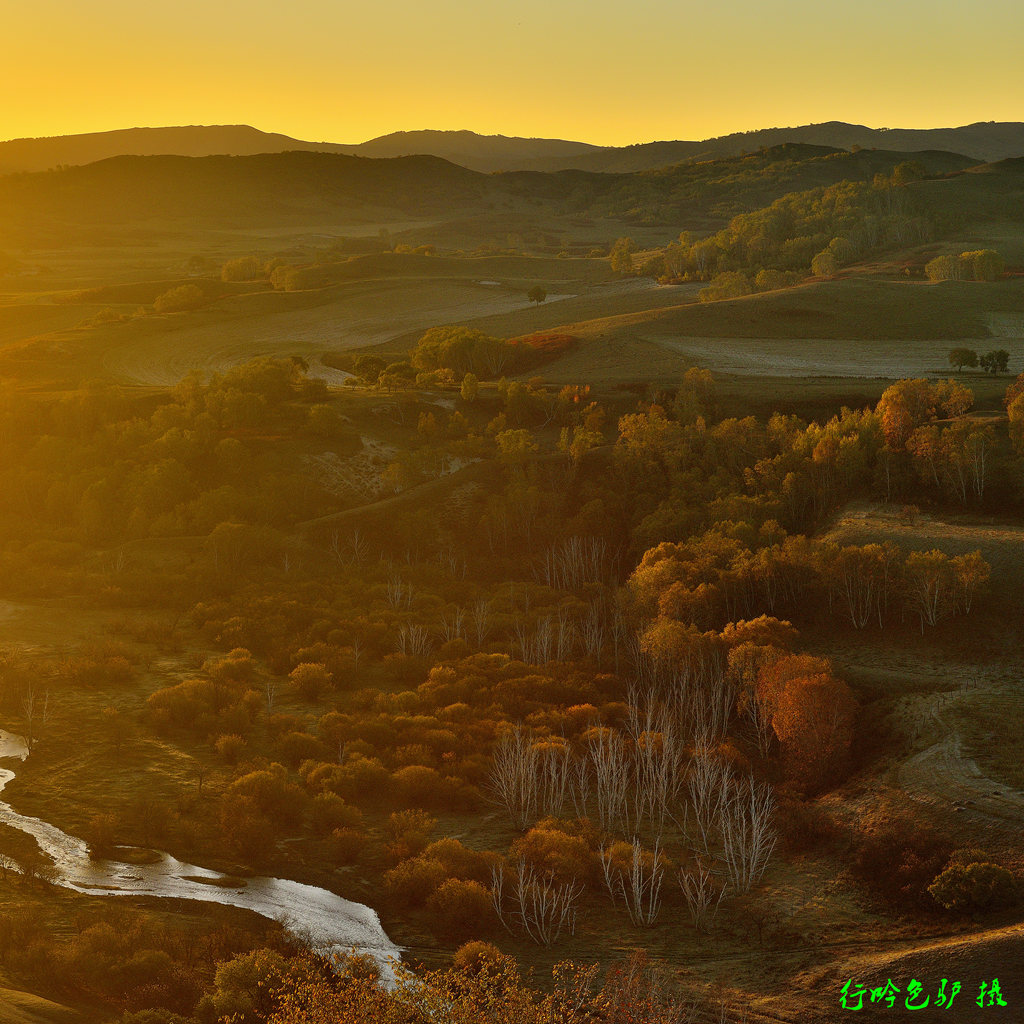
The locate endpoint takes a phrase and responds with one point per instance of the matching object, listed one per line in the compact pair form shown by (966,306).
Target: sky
(610,73)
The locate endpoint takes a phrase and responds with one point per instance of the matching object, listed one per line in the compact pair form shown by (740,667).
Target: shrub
(460,909)
(416,784)
(982,264)
(101,835)
(547,848)
(410,831)
(974,888)
(311,680)
(177,300)
(230,747)
(804,827)
(245,268)
(414,881)
(329,813)
(460,861)
(899,859)
(296,747)
(477,957)
(346,844)
(359,779)
(272,793)
(732,284)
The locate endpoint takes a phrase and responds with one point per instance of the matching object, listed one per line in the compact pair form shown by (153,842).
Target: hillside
(326,191)
(984,141)
(482,152)
(232,192)
(193,140)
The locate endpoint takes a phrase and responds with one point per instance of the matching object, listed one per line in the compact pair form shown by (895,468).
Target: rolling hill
(316,190)
(982,142)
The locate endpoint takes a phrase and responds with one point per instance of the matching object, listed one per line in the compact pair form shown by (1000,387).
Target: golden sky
(605,72)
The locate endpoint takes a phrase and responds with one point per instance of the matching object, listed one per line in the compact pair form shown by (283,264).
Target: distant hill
(144,193)
(477,152)
(106,199)
(196,140)
(984,142)
(481,152)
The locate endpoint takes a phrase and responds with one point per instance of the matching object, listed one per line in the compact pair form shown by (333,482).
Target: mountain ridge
(984,141)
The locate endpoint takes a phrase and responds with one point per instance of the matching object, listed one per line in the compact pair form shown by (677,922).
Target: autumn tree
(176,300)
(812,713)
(930,585)
(469,389)
(824,264)
(909,404)
(622,256)
(1015,414)
(982,264)
(903,407)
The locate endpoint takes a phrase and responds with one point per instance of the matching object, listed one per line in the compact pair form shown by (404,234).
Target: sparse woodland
(591,645)
(555,677)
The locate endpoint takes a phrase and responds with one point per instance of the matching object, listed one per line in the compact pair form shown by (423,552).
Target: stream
(329,924)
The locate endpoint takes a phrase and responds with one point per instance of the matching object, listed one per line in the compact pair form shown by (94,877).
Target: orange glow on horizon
(600,72)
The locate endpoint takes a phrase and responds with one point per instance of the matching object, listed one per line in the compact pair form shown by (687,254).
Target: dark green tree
(961,357)
(995,361)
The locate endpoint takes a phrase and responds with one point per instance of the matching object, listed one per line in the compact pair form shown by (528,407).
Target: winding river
(324,920)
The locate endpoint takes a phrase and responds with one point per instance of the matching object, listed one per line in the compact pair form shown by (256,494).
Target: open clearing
(43,339)
(815,357)
(955,699)
(23,1008)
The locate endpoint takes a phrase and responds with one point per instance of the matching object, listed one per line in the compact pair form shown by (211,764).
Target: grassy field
(949,701)
(17,1007)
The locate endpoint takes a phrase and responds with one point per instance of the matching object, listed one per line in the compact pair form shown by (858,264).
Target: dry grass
(17,1007)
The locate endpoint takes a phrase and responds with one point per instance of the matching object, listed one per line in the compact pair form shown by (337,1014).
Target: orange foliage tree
(812,713)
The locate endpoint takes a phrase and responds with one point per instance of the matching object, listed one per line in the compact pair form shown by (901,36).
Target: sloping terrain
(984,141)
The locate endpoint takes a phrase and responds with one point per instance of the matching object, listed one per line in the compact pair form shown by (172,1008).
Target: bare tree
(555,768)
(523,641)
(612,776)
(399,594)
(573,563)
(481,621)
(452,625)
(580,785)
(565,635)
(353,550)
(659,759)
(748,838)
(708,782)
(640,885)
(35,710)
(270,692)
(542,640)
(541,905)
(592,633)
(413,640)
(703,895)
(455,563)
(515,776)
